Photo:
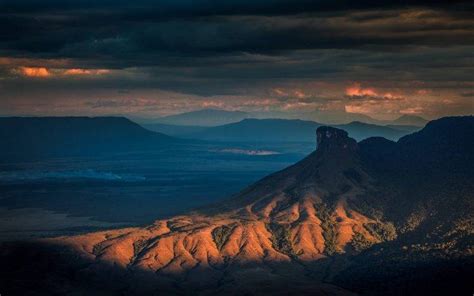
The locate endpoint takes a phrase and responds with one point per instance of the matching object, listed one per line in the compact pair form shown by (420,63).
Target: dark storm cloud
(243,74)
(136,33)
(175,8)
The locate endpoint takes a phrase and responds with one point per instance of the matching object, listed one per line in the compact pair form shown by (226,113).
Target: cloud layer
(94,57)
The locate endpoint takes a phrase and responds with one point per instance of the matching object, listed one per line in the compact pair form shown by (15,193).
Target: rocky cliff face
(330,139)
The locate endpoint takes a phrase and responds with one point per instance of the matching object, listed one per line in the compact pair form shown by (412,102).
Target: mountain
(216,117)
(374,217)
(339,117)
(407,128)
(260,130)
(359,130)
(285,130)
(35,137)
(342,117)
(174,130)
(204,117)
(410,120)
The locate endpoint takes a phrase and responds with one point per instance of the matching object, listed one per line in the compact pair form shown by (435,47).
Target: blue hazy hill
(36,137)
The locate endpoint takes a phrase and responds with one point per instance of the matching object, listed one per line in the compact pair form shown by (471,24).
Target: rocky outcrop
(330,139)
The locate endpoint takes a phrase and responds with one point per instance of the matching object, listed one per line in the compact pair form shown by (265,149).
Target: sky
(277,57)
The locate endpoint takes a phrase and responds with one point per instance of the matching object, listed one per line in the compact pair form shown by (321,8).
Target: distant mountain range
(39,137)
(332,118)
(183,131)
(36,137)
(410,120)
(216,117)
(204,117)
(278,130)
(374,218)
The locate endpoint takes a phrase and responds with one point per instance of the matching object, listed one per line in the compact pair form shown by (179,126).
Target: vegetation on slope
(360,243)
(281,240)
(221,234)
(382,231)
(329,229)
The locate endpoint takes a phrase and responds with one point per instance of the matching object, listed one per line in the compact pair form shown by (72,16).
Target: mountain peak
(204,117)
(410,120)
(330,139)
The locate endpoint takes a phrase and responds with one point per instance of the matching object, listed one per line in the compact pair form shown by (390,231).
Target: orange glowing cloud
(412,110)
(423,92)
(357,109)
(296,93)
(301,106)
(299,94)
(78,71)
(212,104)
(280,92)
(357,90)
(35,71)
(43,72)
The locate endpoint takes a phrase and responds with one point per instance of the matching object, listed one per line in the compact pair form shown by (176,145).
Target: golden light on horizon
(78,71)
(35,71)
(357,90)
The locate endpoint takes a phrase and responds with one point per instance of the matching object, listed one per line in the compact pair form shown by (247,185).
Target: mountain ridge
(307,225)
(204,117)
(37,137)
(278,130)
(410,120)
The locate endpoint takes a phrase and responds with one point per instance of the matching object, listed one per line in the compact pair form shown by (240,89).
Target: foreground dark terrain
(374,218)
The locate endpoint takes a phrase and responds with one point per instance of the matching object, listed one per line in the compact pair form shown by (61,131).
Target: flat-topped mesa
(330,139)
